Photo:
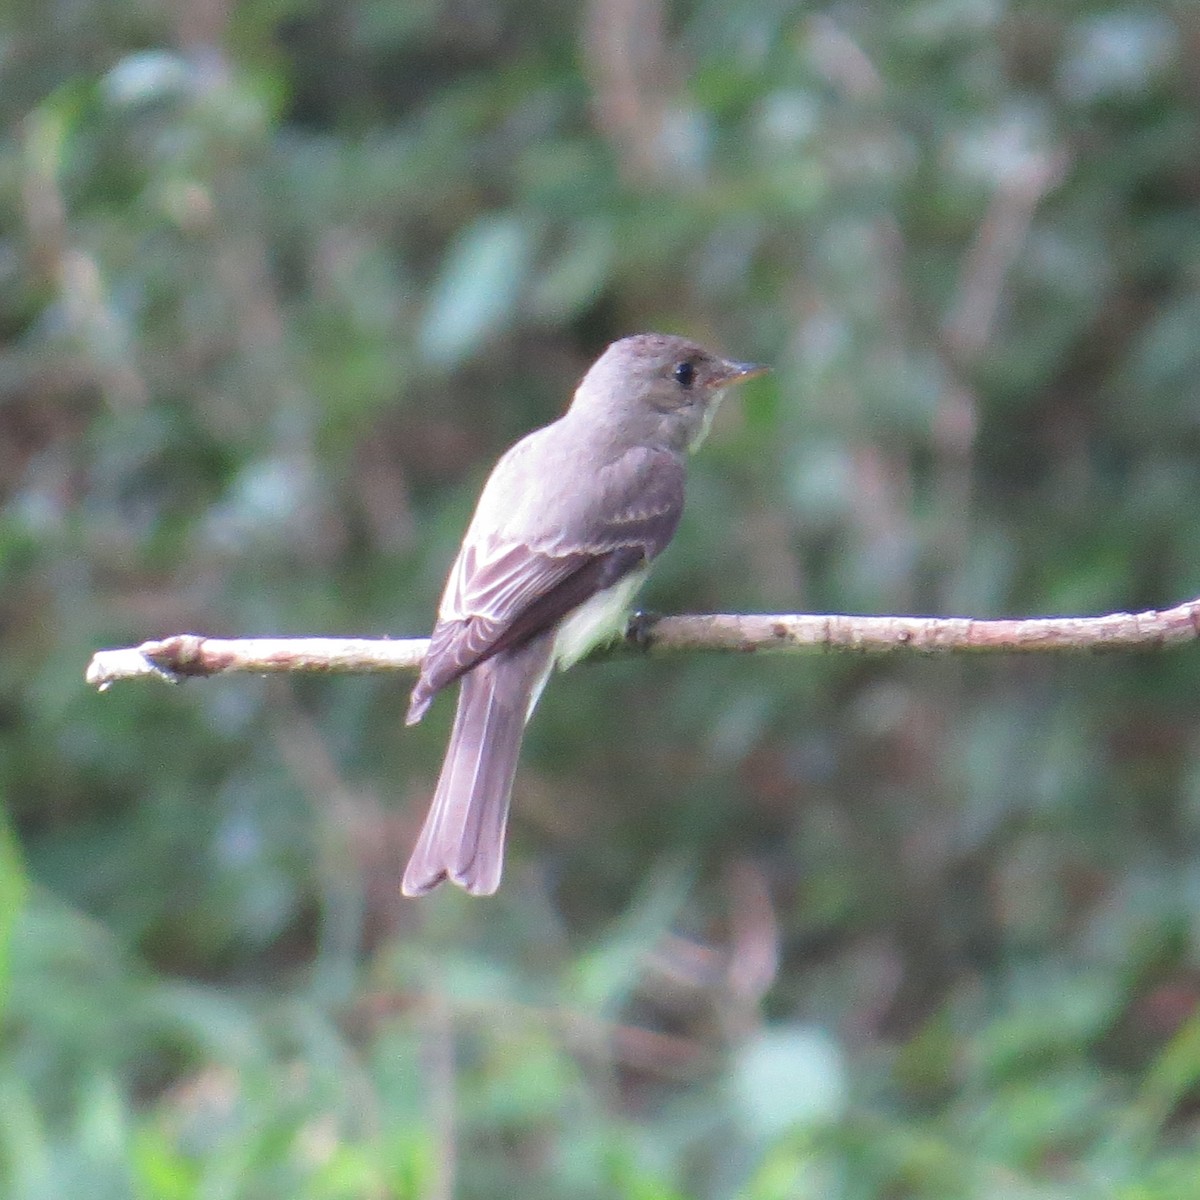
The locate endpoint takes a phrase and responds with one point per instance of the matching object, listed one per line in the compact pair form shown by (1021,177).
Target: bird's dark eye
(685,373)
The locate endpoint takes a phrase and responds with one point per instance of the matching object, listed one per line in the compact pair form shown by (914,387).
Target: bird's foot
(640,630)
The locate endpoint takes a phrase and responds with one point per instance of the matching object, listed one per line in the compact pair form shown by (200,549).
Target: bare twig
(438,1045)
(190,654)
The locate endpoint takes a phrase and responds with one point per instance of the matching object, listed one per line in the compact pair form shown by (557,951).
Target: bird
(562,536)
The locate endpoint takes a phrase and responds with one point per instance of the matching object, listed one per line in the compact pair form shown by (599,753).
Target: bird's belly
(596,620)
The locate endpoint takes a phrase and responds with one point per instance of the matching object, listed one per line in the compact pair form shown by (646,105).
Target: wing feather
(510,583)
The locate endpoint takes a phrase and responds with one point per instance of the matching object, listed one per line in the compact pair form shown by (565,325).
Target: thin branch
(189,654)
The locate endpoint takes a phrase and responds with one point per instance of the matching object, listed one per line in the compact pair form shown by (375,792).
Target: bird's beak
(736,372)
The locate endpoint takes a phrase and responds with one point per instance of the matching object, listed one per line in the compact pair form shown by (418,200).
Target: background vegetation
(278,281)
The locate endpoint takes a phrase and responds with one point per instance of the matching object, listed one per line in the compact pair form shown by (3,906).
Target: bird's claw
(640,630)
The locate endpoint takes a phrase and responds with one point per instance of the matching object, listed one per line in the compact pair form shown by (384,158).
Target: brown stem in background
(624,58)
(103,352)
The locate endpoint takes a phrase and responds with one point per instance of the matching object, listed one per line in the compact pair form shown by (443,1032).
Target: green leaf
(787,1077)
(475,294)
(576,275)
(14,889)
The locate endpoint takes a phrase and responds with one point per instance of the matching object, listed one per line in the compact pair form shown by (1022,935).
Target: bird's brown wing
(505,588)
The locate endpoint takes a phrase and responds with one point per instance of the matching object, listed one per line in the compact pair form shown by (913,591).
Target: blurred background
(279,279)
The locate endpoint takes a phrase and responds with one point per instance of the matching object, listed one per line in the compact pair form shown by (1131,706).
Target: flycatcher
(563,534)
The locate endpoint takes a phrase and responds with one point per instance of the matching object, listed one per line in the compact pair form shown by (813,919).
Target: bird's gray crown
(655,389)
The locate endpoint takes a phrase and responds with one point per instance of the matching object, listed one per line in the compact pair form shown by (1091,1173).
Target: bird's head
(659,389)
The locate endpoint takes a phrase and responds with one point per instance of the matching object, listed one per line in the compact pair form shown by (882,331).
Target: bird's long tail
(463,836)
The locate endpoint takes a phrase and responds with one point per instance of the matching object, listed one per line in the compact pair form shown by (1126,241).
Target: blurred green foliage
(280,280)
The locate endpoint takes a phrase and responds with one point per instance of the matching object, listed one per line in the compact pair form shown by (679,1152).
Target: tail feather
(463,836)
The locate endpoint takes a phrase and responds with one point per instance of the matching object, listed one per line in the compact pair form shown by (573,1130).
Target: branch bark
(191,655)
